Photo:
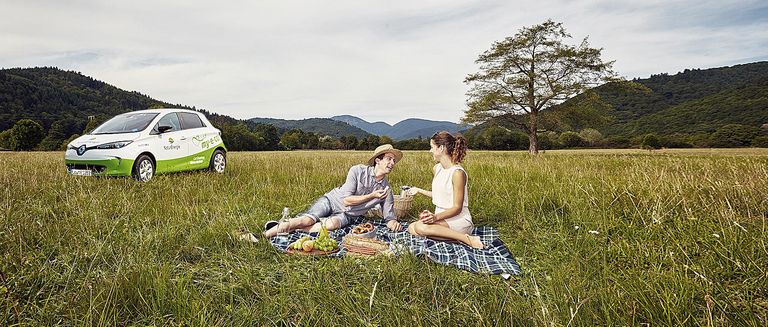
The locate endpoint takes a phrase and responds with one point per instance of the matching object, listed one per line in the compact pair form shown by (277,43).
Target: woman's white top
(442,192)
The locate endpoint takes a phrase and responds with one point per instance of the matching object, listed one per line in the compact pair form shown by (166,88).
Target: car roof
(162,110)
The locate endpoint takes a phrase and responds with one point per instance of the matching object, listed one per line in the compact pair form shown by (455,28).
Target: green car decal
(123,167)
(200,139)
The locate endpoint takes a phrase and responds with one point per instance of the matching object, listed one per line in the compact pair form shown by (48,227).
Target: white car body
(186,146)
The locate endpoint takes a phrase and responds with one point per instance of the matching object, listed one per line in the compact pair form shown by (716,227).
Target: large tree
(522,75)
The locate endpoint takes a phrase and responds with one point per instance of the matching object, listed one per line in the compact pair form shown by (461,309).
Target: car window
(169,120)
(126,123)
(189,120)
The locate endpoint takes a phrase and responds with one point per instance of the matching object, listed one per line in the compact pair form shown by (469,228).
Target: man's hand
(380,194)
(394,225)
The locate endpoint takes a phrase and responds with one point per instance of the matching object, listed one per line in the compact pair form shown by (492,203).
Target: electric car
(144,143)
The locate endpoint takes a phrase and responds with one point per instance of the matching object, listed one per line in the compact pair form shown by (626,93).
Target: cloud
(378,60)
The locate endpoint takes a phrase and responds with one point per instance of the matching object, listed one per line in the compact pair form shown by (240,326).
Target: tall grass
(603,237)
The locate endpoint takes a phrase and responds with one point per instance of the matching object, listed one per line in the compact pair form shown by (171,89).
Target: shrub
(571,140)
(25,135)
(616,142)
(591,136)
(760,141)
(650,141)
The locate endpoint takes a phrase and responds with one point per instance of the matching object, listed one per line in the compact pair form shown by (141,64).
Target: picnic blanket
(495,259)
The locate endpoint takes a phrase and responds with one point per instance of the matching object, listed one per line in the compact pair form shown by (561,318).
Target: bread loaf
(364,245)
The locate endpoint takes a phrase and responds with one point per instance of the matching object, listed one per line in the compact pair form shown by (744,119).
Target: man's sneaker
(274,224)
(268,225)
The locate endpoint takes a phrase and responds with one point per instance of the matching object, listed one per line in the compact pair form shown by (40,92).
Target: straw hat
(385,148)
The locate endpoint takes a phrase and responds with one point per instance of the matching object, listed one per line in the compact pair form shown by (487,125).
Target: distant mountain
(377,128)
(407,129)
(322,126)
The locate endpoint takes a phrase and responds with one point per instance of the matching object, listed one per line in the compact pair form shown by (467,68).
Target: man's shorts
(322,209)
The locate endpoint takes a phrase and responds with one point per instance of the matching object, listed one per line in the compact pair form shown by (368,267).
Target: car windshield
(126,123)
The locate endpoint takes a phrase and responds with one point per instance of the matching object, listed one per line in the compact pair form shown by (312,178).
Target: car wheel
(218,161)
(143,168)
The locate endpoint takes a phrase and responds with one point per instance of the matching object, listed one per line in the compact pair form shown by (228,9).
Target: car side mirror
(164,128)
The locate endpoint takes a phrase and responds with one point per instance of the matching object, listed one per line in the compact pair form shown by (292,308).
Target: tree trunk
(533,139)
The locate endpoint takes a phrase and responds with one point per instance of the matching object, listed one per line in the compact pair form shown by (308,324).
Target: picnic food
(325,242)
(308,245)
(363,228)
(362,245)
(299,244)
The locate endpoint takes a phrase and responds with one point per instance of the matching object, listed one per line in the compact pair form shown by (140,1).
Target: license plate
(80,172)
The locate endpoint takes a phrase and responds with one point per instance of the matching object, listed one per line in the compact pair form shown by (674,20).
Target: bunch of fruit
(322,243)
(325,242)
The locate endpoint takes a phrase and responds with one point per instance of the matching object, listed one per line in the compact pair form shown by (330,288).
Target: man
(365,188)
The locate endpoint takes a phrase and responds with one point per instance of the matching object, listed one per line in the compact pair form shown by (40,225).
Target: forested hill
(47,95)
(690,102)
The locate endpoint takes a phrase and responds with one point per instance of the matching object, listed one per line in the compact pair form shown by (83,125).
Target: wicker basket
(402,205)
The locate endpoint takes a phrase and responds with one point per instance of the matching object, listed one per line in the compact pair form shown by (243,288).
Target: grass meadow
(604,237)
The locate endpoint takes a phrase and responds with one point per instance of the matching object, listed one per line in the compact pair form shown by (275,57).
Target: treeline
(727,136)
(238,135)
(264,137)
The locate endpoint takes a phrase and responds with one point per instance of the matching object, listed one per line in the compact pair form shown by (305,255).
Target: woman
(451,219)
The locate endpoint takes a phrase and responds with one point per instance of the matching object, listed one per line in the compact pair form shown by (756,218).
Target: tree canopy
(529,72)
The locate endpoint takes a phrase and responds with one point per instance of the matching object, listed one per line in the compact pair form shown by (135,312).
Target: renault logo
(81,150)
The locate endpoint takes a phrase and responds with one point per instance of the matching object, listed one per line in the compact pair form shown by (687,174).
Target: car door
(199,136)
(170,147)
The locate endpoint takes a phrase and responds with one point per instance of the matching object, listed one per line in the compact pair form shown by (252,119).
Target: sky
(377,60)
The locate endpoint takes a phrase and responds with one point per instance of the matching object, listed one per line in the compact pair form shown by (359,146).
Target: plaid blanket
(496,259)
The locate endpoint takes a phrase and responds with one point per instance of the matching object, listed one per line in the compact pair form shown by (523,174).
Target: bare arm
(357,199)
(416,190)
(353,200)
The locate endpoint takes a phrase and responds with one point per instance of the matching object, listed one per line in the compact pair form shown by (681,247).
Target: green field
(681,240)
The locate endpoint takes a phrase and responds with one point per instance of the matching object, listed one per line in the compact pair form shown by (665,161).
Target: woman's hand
(413,191)
(427,217)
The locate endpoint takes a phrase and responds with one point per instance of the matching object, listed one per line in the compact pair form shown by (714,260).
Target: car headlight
(113,145)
